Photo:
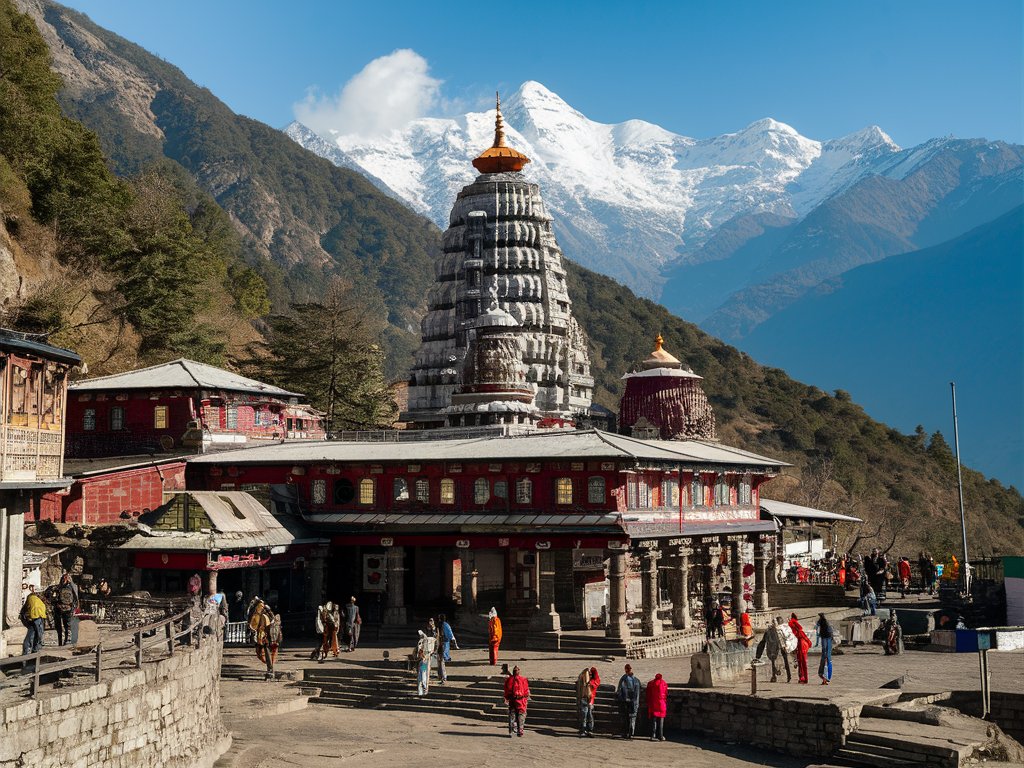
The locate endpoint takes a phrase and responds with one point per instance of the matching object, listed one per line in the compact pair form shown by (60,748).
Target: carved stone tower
(500,299)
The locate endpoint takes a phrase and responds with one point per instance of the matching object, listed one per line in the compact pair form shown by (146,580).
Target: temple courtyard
(273,725)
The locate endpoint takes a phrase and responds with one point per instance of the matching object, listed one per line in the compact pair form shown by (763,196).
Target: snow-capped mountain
(627,198)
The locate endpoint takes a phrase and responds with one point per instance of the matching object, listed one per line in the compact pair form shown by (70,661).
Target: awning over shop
(793,515)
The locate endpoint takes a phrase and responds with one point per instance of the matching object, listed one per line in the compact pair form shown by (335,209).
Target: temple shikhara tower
(666,398)
(500,344)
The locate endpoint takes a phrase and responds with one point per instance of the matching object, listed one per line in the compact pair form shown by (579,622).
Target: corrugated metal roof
(238,521)
(180,374)
(570,445)
(475,520)
(15,341)
(785,510)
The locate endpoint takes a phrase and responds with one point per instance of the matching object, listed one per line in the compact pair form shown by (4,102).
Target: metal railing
(158,634)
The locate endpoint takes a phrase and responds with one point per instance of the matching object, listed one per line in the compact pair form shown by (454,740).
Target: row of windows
(646,493)
(484,490)
(116,417)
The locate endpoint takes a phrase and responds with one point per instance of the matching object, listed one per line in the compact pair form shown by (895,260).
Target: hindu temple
(499,342)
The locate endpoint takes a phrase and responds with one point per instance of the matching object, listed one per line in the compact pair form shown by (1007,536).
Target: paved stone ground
(328,736)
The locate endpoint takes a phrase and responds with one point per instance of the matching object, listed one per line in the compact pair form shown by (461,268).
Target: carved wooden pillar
(760,575)
(736,572)
(617,626)
(649,621)
(468,567)
(681,618)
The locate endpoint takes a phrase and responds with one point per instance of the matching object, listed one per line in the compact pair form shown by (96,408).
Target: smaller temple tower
(666,397)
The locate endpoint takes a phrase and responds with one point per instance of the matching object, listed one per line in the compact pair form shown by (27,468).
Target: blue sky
(916,68)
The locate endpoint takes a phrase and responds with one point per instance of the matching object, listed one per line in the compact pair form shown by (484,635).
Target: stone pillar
(314,581)
(760,576)
(547,618)
(617,626)
(736,569)
(211,582)
(468,562)
(708,561)
(649,621)
(681,618)
(396,611)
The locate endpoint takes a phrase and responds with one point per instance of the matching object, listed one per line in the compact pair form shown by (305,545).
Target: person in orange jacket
(803,644)
(493,635)
(657,706)
(903,567)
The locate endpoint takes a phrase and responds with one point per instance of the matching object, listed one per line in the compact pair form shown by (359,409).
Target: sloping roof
(566,445)
(239,522)
(785,510)
(472,522)
(24,343)
(180,374)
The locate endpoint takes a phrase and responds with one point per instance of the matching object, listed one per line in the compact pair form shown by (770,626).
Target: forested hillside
(159,216)
(126,271)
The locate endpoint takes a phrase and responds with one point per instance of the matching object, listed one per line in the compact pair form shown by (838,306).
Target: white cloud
(388,93)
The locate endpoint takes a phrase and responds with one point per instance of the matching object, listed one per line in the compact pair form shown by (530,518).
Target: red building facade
(181,405)
(510,518)
(115,495)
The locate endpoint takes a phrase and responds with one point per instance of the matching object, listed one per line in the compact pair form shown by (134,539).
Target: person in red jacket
(657,706)
(803,644)
(517,693)
(903,566)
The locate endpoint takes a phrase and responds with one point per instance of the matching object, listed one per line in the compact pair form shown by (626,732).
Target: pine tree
(328,350)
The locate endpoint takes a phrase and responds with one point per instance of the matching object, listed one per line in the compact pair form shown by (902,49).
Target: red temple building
(182,406)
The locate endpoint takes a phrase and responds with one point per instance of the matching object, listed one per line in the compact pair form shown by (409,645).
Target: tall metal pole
(965,568)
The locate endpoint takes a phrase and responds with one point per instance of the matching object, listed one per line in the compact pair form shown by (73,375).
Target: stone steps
(897,739)
(552,703)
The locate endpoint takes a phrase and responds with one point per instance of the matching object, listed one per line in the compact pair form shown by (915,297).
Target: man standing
(33,616)
(517,693)
(445,639)
(773,644)
(657,706)
(269,639)
(586,691)
(65,604)
(628,694)
(353,623)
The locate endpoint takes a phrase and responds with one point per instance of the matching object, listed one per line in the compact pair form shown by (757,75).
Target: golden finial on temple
(499,157)
(658,342)
(499,124)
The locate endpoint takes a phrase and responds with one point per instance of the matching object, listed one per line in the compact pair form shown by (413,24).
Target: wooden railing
(158,634)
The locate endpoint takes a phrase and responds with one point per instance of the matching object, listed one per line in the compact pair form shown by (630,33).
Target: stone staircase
(552,703)
(917,734)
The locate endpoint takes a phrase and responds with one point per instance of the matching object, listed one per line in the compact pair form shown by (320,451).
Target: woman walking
(803,644)
(657,706)
(825,637)
(424,651)
(493,635)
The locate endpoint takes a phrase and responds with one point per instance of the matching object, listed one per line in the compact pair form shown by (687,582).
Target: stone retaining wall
(166,714)
(802,728)
(790,596)
(1007,709)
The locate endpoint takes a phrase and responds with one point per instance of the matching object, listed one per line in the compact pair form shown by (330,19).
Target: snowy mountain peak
(767,124)
(627,198)
(866,138)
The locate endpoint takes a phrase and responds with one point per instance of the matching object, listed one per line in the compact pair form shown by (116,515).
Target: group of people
(435,642)
(875,573)
(628,693)
(782,639)
(332,619)
(60,604)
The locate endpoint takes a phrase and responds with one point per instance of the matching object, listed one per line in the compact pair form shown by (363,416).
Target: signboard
(374,578)
(588,559)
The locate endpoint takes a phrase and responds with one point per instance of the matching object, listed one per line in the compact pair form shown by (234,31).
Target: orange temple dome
(498,158)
